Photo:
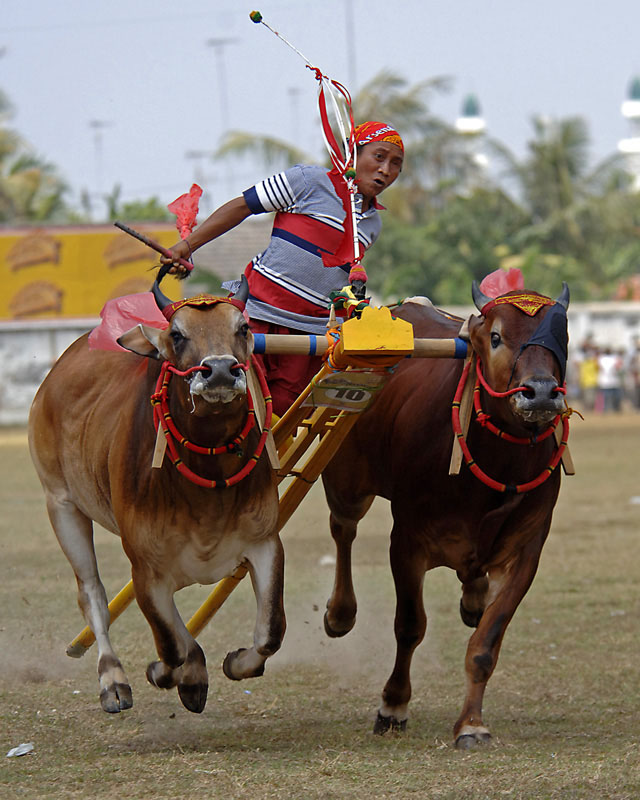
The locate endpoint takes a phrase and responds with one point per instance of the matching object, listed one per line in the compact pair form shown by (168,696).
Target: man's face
(378,165)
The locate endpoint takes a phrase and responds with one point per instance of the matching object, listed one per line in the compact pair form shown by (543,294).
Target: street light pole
(218,45)
(98,126)
(199,177)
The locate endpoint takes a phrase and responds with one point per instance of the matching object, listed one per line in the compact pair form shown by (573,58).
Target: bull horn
(242,294)
(480,299)
(564,296)
(162,300)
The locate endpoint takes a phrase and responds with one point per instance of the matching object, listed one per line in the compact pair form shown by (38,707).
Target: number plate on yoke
(348,391)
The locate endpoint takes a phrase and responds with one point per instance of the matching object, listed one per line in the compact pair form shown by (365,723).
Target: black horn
(480,299)
(161,299)
(564,296)
(243,290)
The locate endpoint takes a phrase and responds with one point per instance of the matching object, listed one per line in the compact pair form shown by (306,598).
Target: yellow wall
(73,271)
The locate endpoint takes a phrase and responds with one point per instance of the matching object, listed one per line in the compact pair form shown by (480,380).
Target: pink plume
(185,208)
(502,281)
(121,314)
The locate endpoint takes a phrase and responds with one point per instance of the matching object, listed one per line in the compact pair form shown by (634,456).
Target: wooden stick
(141,237)
(566,460)
(212,604)
(317,345)
(465,417)
(261,415)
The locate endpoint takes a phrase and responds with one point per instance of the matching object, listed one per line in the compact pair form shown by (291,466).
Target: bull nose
(542,392)
(220,370)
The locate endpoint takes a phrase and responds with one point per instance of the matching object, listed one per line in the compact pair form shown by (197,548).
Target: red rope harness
(484,420)
(162,417)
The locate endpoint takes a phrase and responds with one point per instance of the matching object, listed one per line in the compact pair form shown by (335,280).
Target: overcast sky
(141,71)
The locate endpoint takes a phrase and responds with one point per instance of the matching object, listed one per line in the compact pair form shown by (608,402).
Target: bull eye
(495,339)
(244,330)
(177,338)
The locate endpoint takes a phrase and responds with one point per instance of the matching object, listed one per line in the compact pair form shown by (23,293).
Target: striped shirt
(288,283)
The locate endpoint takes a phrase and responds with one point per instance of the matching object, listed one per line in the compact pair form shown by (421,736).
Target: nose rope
(484,421)
(162,418)
(517,389)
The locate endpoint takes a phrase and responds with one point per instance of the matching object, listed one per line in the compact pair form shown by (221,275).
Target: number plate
(347,391)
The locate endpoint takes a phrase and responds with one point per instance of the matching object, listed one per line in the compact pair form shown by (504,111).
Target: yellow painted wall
(72,271)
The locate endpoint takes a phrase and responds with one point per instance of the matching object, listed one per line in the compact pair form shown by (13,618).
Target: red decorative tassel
(185,208)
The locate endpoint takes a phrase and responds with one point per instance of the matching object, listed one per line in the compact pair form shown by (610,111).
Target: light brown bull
(400,449)
(92,440)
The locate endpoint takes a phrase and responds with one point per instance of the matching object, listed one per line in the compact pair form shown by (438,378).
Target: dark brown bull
(92,441)
(400,449)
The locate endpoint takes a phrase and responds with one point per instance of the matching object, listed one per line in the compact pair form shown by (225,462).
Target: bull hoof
(470,741)
(193,696)
(160,676)
(228,669)
(470,618)
(333,633)
(116,698)
(384,724)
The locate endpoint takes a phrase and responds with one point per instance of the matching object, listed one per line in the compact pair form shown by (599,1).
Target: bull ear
(143,340)
(242,294)
(480,299)
(564,296)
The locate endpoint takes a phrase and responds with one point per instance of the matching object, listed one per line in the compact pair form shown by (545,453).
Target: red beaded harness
(485,421)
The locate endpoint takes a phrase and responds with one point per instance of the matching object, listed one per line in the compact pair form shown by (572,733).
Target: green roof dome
(471,106)
(634,89)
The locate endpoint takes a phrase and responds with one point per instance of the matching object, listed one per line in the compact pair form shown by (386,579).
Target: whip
(343,158)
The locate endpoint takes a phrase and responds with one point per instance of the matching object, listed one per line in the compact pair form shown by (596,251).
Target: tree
(30,188)
(151,210)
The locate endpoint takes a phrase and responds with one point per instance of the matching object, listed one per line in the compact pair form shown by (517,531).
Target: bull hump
(428,320)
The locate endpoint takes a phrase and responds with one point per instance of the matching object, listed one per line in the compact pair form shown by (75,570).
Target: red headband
(529,303)
(377,132)
(200,301)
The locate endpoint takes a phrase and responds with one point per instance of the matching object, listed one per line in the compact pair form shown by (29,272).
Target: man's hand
(180,250)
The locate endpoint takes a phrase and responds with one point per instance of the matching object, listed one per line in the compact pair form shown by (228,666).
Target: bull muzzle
(540,400)
(221,379)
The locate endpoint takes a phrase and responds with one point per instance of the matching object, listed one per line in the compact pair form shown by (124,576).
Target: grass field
(563,703)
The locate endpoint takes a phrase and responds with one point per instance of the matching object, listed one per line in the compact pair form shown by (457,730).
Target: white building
(630,147)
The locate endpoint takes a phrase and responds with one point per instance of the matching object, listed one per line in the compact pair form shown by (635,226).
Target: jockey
(290,282)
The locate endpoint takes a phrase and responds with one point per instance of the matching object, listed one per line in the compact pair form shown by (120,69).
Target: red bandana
(377,132)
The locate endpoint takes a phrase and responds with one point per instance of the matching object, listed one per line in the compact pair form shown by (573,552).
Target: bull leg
(182,662)
(266,567)
(340,616)
(507,586)
(473,600)
(408,566)
(74,531)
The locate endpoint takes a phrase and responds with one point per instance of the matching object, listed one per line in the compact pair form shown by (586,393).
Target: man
(290,282)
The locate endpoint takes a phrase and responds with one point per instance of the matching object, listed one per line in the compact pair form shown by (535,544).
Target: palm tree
(30,188)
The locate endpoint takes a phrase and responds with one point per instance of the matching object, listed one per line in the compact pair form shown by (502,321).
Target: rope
(469,460)
(162,417)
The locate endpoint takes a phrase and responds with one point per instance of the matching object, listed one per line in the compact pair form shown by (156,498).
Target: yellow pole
(86,638)
(217,597)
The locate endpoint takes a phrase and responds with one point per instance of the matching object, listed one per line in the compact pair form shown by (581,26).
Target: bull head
(219,350)
(538,321)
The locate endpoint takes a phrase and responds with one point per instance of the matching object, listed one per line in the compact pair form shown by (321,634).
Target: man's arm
(222,220)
